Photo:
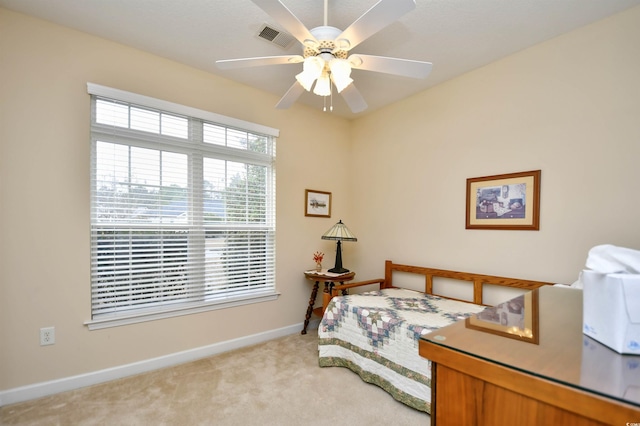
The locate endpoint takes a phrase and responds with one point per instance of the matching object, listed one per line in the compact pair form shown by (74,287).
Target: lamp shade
(339,232)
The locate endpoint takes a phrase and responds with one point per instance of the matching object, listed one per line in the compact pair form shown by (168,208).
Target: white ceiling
(457,36)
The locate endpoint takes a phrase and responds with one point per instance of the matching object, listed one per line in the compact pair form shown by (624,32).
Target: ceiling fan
(327,58)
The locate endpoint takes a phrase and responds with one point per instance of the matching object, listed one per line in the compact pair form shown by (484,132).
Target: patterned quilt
(375,334)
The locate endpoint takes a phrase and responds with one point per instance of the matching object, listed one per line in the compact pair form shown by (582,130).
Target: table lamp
(339,232)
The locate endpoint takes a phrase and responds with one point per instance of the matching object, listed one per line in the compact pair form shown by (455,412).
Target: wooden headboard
(478,280)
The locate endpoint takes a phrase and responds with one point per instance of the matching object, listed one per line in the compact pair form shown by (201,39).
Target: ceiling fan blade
(226,64)
(403,67)
(284,17)
(379,16)
(291,96)
(354,99)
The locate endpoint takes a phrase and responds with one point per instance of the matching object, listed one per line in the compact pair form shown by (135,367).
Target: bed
(375,333)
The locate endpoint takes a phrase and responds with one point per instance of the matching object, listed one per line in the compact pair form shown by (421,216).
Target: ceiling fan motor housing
(325,43)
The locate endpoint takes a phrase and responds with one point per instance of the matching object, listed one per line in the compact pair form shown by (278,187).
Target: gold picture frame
(509,201)
(317,203)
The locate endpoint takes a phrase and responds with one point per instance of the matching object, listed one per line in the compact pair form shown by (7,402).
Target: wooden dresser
(481,377)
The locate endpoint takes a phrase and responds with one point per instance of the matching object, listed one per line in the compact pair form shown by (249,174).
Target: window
(182,209)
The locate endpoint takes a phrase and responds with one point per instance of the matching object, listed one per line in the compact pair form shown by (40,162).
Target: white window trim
(179,311)
(123,95)
(225,302)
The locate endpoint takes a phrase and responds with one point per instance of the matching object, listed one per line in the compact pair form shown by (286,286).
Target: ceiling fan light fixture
(325,44)
(323,86)
(340,73)
(341,84)
(305,80)
(311,70)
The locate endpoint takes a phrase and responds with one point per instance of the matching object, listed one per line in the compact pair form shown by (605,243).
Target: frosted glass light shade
(323,86)
(311,70)
(305,80)
(340,72)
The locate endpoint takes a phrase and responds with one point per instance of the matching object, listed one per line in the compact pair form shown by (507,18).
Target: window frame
(196,150)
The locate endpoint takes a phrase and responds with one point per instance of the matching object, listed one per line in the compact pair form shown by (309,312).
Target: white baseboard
(38,390)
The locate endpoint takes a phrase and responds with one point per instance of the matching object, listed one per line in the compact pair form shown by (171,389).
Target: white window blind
(182,210)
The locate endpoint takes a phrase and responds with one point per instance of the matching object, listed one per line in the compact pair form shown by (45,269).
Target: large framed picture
(510,201)
(317,203)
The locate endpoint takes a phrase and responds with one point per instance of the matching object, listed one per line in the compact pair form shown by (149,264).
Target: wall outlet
(47,336)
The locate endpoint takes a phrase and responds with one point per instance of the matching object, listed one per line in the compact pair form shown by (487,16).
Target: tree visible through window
(183,211)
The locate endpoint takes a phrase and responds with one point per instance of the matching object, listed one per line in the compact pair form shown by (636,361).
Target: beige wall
(568,107)
(44,195)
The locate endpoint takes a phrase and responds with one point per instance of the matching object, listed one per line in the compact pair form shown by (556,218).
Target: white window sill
(118,320)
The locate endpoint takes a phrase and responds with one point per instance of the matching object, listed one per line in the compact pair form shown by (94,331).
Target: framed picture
(517,319)
(510,201)
(317,203)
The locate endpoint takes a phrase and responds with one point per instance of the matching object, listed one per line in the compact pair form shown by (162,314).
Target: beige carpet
(273,383)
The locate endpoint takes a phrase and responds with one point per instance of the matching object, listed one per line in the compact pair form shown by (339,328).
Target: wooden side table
(329,281)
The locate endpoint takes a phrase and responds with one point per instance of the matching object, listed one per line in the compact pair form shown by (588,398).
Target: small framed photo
(317,203)
(510,201)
